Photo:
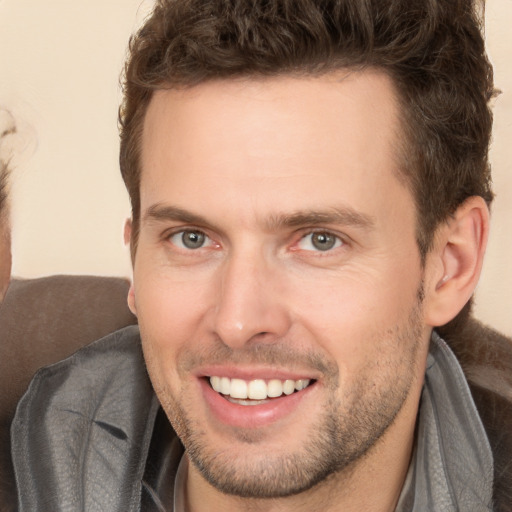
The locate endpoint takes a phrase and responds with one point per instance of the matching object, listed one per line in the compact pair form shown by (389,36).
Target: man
(310,190)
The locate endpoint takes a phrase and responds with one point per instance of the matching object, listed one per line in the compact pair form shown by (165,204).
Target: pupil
(323,241)
(193,239)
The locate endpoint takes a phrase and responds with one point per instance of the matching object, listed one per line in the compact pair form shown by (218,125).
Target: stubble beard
(341,437)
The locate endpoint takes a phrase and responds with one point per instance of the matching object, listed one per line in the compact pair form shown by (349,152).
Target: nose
(250,304)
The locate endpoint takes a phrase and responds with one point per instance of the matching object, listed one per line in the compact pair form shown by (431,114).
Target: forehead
(284,142)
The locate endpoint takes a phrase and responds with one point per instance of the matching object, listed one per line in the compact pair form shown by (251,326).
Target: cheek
(170,312)
(351,316)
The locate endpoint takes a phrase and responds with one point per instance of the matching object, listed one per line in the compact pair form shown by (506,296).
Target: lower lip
(252,416)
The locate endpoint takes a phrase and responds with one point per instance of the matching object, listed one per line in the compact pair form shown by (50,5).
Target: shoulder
(98,401)
(486,359)
(109,363)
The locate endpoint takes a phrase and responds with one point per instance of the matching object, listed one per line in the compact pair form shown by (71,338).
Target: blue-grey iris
(193,239)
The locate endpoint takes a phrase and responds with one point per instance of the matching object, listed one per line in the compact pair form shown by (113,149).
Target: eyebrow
(342,216)
(160,212)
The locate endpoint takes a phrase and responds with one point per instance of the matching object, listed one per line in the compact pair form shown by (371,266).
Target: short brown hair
(433,51)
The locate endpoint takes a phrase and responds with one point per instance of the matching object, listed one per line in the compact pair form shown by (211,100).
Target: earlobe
(456,261)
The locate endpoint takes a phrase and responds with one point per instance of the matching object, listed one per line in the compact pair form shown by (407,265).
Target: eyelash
(338,241)
(169,237)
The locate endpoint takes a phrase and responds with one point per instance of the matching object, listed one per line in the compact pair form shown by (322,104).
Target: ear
(131,299)
(127,233)
(131,292)
(455,263)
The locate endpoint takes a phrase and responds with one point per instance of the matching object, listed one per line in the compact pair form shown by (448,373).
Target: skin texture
(5,254)
(258,167)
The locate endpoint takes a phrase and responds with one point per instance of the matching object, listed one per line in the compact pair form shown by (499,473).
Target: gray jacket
(89,435)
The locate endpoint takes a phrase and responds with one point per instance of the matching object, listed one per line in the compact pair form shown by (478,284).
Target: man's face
(277,250)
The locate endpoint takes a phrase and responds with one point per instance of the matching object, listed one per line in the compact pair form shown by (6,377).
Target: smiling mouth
(258,391)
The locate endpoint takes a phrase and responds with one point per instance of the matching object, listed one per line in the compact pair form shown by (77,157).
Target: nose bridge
(248,302)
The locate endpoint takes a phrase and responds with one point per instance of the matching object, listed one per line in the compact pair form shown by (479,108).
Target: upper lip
(253,373)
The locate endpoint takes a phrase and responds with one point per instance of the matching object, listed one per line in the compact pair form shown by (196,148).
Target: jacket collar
(452,468)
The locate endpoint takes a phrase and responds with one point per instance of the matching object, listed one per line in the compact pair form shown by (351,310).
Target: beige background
(59,67)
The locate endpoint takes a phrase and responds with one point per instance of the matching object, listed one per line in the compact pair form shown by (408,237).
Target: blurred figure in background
(7,128)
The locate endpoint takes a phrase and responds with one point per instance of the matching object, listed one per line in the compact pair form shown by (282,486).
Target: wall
(59,69)
(59,73)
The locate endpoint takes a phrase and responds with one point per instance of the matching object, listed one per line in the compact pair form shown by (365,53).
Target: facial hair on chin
(341,436)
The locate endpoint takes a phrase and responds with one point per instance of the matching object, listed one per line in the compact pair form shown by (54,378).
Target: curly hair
(433,50)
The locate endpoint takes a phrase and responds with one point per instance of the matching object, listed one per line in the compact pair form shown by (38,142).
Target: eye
(319,241)
(190,239)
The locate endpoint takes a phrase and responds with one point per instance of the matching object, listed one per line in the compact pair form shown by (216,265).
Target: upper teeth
(257,389)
